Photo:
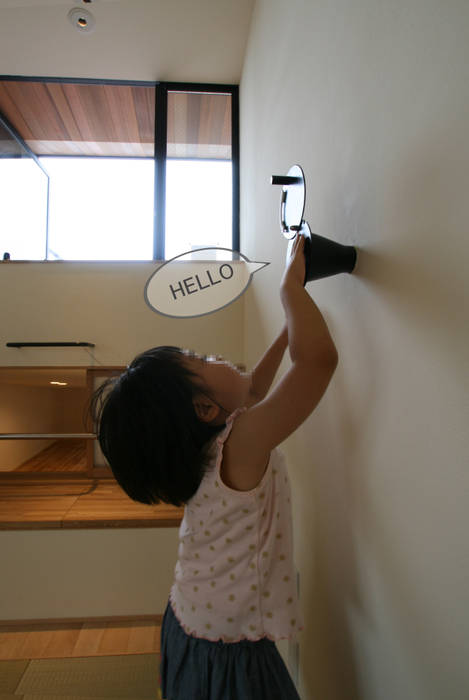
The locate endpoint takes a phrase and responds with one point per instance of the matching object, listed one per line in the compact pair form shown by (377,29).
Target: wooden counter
(46,504)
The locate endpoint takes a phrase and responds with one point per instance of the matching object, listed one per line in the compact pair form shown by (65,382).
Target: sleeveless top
(235,578)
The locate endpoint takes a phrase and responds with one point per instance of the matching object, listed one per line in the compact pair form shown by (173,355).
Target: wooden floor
(61,456)
(61,641)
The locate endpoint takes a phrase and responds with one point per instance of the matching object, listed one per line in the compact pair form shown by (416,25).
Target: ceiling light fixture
(59,383)
(82,20)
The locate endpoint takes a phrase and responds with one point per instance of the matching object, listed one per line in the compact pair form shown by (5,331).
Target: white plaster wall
(372,99)
(86,573)
(101,303)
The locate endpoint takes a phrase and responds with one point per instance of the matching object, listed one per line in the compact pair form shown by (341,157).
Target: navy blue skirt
(197,669)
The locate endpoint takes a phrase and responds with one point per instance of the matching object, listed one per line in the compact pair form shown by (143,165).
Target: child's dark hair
(149,431)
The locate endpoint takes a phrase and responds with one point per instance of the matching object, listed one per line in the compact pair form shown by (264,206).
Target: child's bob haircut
(149,431)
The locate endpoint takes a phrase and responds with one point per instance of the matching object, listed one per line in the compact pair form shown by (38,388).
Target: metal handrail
(46,436)
(50,345)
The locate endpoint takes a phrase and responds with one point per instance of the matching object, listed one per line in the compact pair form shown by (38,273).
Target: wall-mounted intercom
(323,257)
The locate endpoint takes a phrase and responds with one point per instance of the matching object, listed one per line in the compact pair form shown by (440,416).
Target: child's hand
(295,267)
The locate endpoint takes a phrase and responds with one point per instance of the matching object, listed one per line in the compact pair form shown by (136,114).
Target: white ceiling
(172,40)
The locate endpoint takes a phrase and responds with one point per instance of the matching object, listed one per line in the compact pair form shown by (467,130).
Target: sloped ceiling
(171,40)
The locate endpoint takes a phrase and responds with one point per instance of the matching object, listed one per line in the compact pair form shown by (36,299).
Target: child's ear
(206,409)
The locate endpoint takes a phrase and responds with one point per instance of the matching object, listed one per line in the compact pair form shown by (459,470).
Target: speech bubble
(199,282)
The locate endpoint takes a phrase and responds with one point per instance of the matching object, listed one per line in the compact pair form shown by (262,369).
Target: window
(136,171)
(22,228)
(100,208)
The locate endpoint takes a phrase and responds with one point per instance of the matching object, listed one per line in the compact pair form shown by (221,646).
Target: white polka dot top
(235,578)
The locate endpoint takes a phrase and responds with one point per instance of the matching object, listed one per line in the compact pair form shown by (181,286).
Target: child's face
(225,383)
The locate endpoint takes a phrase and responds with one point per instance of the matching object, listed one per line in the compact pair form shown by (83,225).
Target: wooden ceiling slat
(71,131)
(220,109)
(123,113)
(199,125)
(205,126)
(89,107)
(144,100)
(193,118)
(212,120)
(22,99)
(14,93)
(60,111)
(222,116)
(177,116)
(227,126)
(74,99)
(42,115)
(9,110)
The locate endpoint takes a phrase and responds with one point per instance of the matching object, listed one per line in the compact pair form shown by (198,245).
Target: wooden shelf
(76,503)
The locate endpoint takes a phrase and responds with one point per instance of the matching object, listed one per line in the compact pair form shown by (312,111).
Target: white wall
(86,573)
(372,99)
(101,303)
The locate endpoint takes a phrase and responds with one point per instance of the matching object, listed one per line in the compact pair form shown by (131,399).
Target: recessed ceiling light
(82,20)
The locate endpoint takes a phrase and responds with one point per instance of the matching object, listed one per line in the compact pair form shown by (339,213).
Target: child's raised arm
(264,372)
(308,335)
(314,359)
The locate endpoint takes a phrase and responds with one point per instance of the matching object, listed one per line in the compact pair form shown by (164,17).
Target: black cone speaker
(323,257)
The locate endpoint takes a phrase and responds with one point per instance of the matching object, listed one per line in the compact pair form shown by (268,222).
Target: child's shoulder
(242,466)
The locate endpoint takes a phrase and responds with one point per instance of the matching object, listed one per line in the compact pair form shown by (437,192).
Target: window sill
(80,503)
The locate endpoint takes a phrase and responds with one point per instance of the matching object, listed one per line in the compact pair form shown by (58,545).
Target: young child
(184,429)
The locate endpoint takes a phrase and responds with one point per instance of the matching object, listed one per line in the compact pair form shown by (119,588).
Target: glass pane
(199,181)
(198,205)
(23,202)
(100,208)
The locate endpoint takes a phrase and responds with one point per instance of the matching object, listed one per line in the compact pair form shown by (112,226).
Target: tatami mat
(11,673)
(95,678)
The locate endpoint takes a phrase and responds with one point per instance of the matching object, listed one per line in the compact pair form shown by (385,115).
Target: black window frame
(160,152)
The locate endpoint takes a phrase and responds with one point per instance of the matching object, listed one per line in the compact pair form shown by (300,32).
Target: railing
(50,345)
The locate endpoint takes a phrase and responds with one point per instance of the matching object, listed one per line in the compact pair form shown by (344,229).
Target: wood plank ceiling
(199,125)
(114,120)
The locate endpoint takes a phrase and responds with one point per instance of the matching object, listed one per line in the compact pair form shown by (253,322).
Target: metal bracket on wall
(323,257)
